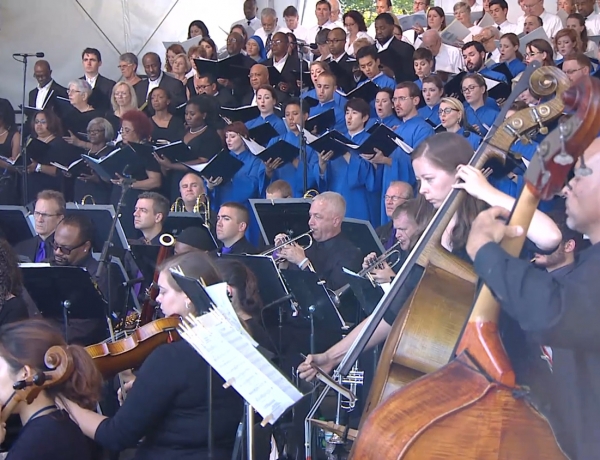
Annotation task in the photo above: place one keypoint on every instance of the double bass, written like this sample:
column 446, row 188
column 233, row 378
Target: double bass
column 470, row 408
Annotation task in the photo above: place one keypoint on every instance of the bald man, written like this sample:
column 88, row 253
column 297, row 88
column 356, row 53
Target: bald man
column 47, row 90
column 446, row 58
column 335, row 16
column 259, row 75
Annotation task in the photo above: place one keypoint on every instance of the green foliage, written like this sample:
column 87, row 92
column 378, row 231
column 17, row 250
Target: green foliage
column 367, row 8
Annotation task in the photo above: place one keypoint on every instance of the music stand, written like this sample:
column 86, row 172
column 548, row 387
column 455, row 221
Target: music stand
column 15, row 224
column 362, row 235
column 288, row 215
column 367, row 295
column 145, row 256
column 195, row 291
column 102, row 216
column 64, row 292
column 176, row 222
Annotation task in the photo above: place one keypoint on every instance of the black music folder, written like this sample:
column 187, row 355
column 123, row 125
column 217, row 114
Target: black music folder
column 175, row 152
column 437, row 128
column 228, row 68
column 116, row 162
column 343, row 75
column 289, row 216
column 15, row 224
column 497, row 89
column 37, row 151
column 194, row 290
column 367, row 91
column 311, row 102
column 322, row 121
column 362, row 235
column 243, row 114
column 221, row 165
column 280, row 149
column 145, row 257
column 453, row 87
column 504, row 70
column 333, row 141
column 75, row 169
column 306, row 80
column 262, row 134
column 176, row 222
column 275, row 76
column 381, row 138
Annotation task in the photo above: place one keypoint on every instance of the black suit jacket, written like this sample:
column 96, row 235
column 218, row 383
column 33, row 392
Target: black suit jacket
column 170, row 84
column 242, row 246
column 28, row 248
column 100, row 99
column 401, row 62
column 290, row 71
column 345, row 78
column 50, row 101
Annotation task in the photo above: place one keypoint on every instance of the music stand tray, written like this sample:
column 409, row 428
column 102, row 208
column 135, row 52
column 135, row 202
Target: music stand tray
column 176, row 222
column 363, row 236
column 289, row 215
column 16, row 224
column 101, row 216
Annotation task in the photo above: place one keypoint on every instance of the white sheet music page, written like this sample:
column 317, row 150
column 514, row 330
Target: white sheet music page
column 241, row 365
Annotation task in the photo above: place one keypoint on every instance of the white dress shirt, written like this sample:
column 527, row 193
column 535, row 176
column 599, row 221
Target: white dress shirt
column 154, row 84
column 592, row 24
column 508, row 27
column 92, row 81
column 251, row 25
column 313, row 31
column 495, row 55
column 361, row 34
column 41, row 95
column 263, row 35
column 381, row 47
column 300, row 32
column 279, row 64
column 552, row 23
column 476, row 8
column 449, row 59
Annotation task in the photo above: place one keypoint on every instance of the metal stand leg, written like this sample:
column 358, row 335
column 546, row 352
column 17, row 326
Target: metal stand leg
column 249, row 431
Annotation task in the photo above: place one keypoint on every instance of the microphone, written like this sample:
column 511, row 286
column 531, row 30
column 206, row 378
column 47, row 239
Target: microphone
column 39, row 54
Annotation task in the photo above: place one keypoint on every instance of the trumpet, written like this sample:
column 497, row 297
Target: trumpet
column 200, row 207
column 287, row 241
column 178, row 205
column 86, row 198
column 310, row 193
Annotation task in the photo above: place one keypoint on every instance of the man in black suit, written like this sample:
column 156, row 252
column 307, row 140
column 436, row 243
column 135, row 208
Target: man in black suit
column 395, row 54
column 101, row 86
column 238, row 86
column 232, row 222
column 288, row 66
column 344, row 64
column 157, row 78
column 259, row 75
column 49, row 211
column 207, row 84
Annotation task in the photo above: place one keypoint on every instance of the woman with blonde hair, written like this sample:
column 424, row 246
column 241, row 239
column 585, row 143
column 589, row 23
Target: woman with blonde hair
column 453, row 118
column 123, row 98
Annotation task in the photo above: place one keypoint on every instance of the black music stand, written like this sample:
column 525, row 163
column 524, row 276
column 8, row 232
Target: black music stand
column 367, row 295
column 288, row 215
column 145, row 256
column 195, row 291
column 102, row 216
column 15, row 224
column 176, row 222
column 362, row 235
column 64, row 293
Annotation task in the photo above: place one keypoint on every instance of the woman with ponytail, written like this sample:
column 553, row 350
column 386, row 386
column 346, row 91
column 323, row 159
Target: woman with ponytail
column 47, row 433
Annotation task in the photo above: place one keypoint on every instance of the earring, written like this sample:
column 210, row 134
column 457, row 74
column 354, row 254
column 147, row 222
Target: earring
column 187, row 305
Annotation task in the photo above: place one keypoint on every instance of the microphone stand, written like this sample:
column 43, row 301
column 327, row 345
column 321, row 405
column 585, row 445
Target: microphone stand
column 301, row 128
column 22, row 137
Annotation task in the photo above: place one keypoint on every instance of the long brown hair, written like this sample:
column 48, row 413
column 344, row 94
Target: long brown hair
column 240, row 277
column 25, row 343
column 446, row 151
column 11, row 279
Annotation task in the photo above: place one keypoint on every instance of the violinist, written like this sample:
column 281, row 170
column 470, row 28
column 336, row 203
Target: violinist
column 439, row 163
column 47, row 433
column 561, row 310
column 167, row 402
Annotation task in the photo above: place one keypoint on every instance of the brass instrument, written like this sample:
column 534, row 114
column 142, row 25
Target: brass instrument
column 166, row 239
column 201, row 207
column 287, row 241
column 310, row 193
column 88, row 197
column 178, row 205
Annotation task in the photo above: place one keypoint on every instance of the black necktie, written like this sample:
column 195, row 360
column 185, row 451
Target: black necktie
column 248, row 22
column 268, row 43
column 320, row 28
column 433, row 65
column 499, row 28
column 489, row 55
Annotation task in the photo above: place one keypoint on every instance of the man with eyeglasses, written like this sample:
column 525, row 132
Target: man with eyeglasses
column 207, row 84
column 157, row 78
column 49, row 211
column 397, row 193
column 336, row 39
column 237, row 85
column 577, row 66
column 552, row 23
column 288, row 66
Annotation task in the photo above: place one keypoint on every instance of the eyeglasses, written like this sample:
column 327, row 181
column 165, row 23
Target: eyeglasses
column 73, row 91
column 64, row 250
column 40, row 122
column 121, row 94
column 447, row 110
column 394, row 198
column 123, row 66
column 43, row 215
column 572, row 71
column 334, row 40
column 95, row 131
column 528, row 7
column 533, row 53
column 401, row 98
column 470, row 88
column 278, row 42
column 231, row 41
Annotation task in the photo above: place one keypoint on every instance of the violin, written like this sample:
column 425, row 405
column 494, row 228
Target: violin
column 113, row 357
column 472, row 408
column 60, row 364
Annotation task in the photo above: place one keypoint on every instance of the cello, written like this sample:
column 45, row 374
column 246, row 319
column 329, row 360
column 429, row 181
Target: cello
column 470, row 408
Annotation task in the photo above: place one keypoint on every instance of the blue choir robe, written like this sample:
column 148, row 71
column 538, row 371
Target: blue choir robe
column 515, row 66
column 248, row 182
column 431, row 113
column 383, row 81
column 490, row 73
column 391, row 121
column 353, row 180
column 295, row 175
column 525, row 150
column 272, row 119
column 414, row 131
column 339, row 99
column 419, row 82
column 340, row 118
column 473, row 138
column 483, row 117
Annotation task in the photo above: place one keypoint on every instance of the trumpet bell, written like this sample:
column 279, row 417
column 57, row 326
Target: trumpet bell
column 86, row 198
column 166, row 239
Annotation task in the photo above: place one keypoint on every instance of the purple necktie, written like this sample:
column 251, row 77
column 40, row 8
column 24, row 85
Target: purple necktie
column 40, row 255
column 225, row 250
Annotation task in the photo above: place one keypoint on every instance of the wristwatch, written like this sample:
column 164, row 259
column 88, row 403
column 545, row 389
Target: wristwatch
column 38, row 168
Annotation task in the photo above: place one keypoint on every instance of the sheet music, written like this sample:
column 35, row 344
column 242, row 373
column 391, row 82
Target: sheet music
column 253, row 146
column 240, row 364
column 455, row 33
column 486, row 21
column 63, row 167
column 537, row 33
column 491, row 83
column 310, row 137
column 409, row 21
column 403, row 145
column 186, row 44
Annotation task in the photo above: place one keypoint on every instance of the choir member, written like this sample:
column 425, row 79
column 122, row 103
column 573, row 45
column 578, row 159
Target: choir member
column 337, row 53
column 384, row 107
column 285, row 64
column 49, row 210
column 167, row 402
column 350, row 175
column 255, row 49
column 474, row 55
column 46, row 128
column 250, row 22
column 128, row 65
column 510, row 55
column 531, row 23
column 577, row 22
column 207, row 84
column 149, row 215
column 568, row 6
column 100, row 132
column 198, row 29
column 499, row 12
column 423, row 63
column 201, row 136
column 47, row 90
column 156, row 77
column 259, row 76
column 567, row 42
column 81, row 113
column 452, row 115
column 438, row 163
column 316, row 69
column 446, row 58
column 10, row 138
column 209, row 48
column 369, row 64
column 166, row 127
column 266, row 99
column 384, row 36
column 397, row 193
column 233, row 221
column 462, row 13
column 123, row 99
column 47, row 432
column 577, row 66
column 326, row 89
column 539, row 50
column 102, row 86
column 13, row 306
column 354, row 22
column 181, row 68
column 172, row 51
column 292, row 173
column 479, row 114
column 432, row 91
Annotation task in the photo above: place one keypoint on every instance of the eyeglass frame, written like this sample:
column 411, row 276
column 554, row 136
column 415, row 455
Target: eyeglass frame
column 66, row 251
